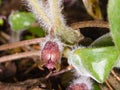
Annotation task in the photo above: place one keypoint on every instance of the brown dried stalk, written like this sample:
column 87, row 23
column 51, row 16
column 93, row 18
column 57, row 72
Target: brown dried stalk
column 30, row 84
column 19, row 55
column 21, row 43
column 95, row 23
column 62, row 71
column 114, row 74
column 108, row 84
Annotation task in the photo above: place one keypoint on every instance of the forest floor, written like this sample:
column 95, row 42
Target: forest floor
column 23, row 74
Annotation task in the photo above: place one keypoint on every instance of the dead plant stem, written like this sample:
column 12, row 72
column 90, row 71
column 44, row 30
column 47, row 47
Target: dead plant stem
column 108, row 84
column 95, row 23
column 21, row 43
column 19, row 55
column 114, row 74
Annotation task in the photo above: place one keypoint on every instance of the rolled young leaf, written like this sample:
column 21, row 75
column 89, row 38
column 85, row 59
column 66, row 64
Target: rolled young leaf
column 93, row 8
column 38, row 9
column 94, row 62
column 103, row 41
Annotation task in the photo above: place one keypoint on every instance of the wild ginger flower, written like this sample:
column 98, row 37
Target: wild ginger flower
column 51, row 54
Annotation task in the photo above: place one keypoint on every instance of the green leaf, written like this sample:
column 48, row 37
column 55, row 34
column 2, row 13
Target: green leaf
column 68, row 35
column 28, row 37
column 118, row 63
column 105, row 40
column 21, row 20
column 1, row 21
column 114, row 20
column 37, row 31
column 96, row 86
column 94, row 62
column 0, row 2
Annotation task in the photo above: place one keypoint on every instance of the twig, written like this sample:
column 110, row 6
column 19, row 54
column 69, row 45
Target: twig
column 109, row 86
column 19, row 55
column 118, row 78
column 30, row 84
column 58, row 73
column 38, row 9
column 56, row 12
column 4, row 35
column 21, row 43
column 84, row 24
column 62, row 71
column 30, row 68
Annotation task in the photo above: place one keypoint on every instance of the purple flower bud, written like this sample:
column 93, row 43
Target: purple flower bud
column 50, row 54
column 81, row 86
column 81, row 83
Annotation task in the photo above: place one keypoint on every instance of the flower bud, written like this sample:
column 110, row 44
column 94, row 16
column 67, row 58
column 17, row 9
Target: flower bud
column 81, row 83
column 81, row 86
column 50, row 54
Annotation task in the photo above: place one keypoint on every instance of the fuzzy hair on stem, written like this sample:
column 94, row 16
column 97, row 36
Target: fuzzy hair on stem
column 53, row 19
column 47, row 38
column 73, row 36
column 55, row 8
column 37, row 7
column 61, row 29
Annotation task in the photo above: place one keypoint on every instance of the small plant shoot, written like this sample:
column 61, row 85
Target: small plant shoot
column 21, row 20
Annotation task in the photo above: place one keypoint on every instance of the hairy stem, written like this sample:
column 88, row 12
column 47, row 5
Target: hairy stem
column 56, row 12
column 39, row 11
